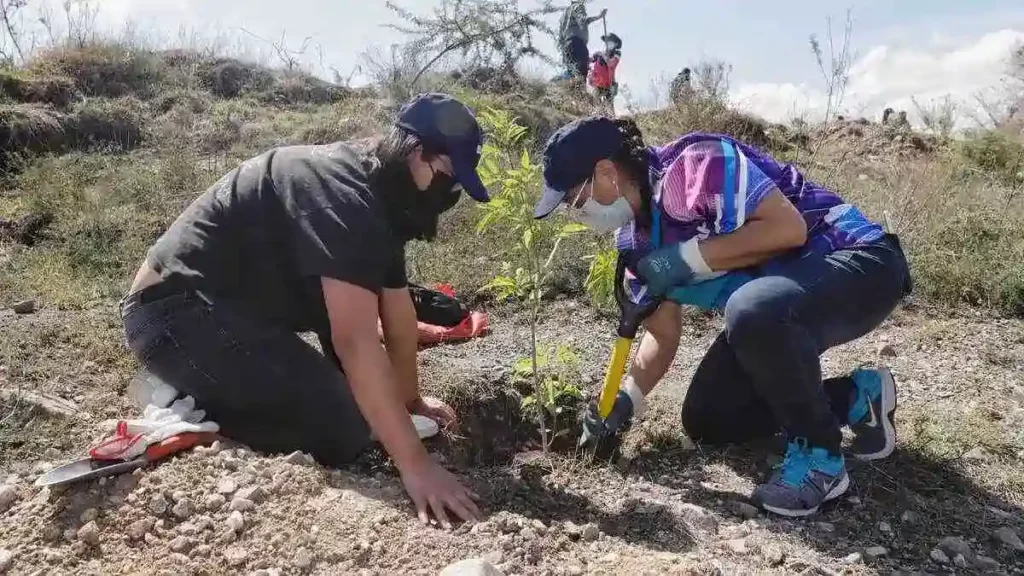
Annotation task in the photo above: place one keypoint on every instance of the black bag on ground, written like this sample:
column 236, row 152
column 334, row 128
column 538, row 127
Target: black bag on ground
column 436, row 308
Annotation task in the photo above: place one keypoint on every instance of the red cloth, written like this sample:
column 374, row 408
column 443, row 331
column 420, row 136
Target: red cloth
column 475, row 324
column 602, row 74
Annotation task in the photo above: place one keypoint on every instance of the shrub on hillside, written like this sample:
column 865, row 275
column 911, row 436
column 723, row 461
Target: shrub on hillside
column 27, row 129
column 302, row 89
column 103, row 69
column 190, row 100
column 108, row 124
column 57, row 91
column 698, row 115
column 995, row 154
column 230, row 78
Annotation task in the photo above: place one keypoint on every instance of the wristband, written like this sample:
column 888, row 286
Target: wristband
column 689, row 251
column 636, row 395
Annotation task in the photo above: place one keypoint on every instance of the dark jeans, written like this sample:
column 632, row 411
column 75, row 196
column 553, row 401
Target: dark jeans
column 265, row 387
column 576, row 56
column 763, row 373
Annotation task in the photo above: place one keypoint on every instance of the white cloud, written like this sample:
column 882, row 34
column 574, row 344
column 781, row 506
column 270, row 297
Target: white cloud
column 889, row 77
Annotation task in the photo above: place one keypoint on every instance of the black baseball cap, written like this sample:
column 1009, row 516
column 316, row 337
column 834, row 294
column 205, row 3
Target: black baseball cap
column 442, row 122
column 570, row 156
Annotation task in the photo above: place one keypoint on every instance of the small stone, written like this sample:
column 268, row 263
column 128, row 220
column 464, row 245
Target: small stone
column 255, row 493
column 236, row 522
column 737, row 546
column 299, row 458
column 6, row 560
column 183, row 509
column 1008, row 537
column 138, row 529
column 226, row 486
column 743, row 510
column 90, row 534
column 24, row 307
column 875, row 552
column 203, row 550
column 826, row 526
column 987, row 565
column 589, row 533
column 483, row 528
column 70, row 534
column 571, row 529
column 302, row 558
column 236, row 556
column 886, row 350
column 158, row 504
column 976, row 454
column 610, row 558
column 960, row 561
column 215, row 502
column 528, row 534
column 539, row 527
column 241, row 505
column 8, row 496
column 699, row 517
column 180, row 544
column 774, row 555
column 855, row 558
column 89, row 515
column 471, row 567
column 150, row 538
column 909, row 517
column 955, row 546
column 939, row 556
column 884, row 528
column 159, row 524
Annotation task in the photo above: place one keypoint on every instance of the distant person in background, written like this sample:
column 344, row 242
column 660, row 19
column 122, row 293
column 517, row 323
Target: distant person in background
column 602, row 73
column 682, row 87
column 887, row 116
column 573, row 38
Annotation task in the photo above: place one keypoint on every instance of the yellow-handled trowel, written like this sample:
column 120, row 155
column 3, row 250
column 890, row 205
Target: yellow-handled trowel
column 631, row 315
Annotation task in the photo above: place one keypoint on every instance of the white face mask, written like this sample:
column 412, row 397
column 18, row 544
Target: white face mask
column 601, row 218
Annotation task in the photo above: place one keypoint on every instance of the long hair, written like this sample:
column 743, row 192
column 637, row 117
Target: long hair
column 634, row 157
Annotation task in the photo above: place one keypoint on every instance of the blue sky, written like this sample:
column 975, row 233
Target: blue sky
column 905, row 47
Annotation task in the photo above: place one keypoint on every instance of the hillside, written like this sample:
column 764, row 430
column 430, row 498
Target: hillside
column 102, row 148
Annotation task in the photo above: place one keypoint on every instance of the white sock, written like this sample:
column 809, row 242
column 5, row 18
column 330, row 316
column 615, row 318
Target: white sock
column 636, row 395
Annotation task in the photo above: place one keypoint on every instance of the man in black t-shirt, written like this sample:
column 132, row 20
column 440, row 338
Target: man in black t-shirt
column 311, row 238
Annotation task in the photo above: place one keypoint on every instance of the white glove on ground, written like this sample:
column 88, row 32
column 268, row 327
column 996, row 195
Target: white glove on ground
column 132, row 437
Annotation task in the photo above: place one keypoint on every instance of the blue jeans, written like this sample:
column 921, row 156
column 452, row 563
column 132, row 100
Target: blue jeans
column 762, row 374
column 262, row 383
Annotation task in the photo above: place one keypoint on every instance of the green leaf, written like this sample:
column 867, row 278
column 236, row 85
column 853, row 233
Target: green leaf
column 571, row 229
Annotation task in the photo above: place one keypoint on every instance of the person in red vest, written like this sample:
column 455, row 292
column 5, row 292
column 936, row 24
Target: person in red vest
column 602, row 71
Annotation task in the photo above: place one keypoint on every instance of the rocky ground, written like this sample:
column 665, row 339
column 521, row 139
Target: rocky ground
column 948, row 501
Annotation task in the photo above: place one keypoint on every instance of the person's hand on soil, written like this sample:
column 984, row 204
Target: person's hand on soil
column 435, row 491
column 434, row 409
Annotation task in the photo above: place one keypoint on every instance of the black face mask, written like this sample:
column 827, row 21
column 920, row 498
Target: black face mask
column 414, row 213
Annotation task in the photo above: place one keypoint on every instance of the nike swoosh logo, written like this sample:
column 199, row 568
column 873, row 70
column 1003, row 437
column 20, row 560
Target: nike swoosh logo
column 872, row 418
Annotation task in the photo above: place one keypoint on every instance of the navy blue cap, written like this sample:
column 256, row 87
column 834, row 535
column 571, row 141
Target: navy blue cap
column 444, row 123
column 570, row 156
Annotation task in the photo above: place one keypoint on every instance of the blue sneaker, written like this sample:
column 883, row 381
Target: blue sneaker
column 871, row 414
column 808, row 478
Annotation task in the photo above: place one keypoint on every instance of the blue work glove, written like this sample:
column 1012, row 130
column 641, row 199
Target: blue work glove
column 710, row 294
column 668, row 266
column 617, row 420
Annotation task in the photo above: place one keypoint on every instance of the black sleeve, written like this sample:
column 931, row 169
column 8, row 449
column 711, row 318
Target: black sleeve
column 396, row 276
column 353, row 248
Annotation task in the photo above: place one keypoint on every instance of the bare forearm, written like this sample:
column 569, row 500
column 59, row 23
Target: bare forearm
column 403, row 358
column 400, row 337
column 657, row 348
column 753, row 243
column 376, row 391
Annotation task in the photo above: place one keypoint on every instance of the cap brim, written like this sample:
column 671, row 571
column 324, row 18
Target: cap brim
column 548, row 202
column 465, row 174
